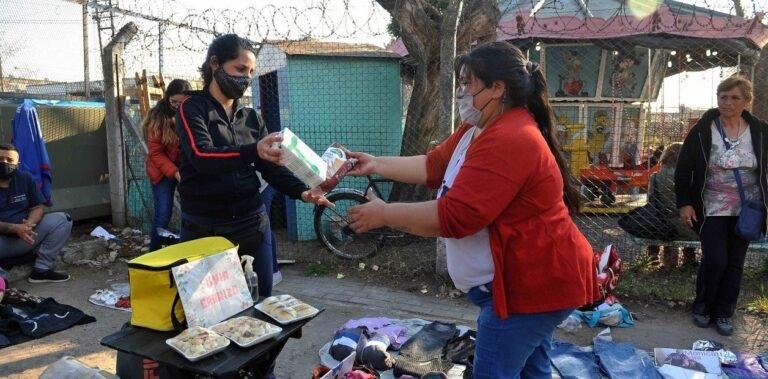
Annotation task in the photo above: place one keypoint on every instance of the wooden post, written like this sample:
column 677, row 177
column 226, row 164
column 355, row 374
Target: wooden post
column 112, row 60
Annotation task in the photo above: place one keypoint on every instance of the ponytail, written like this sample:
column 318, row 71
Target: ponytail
column 539, row 106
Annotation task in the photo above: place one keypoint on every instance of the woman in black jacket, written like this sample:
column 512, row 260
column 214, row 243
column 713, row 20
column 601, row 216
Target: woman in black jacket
column 708, row 196
column 223, row 144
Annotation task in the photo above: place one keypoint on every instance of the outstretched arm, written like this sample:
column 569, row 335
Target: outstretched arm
column 412, row 170
column 420, row 219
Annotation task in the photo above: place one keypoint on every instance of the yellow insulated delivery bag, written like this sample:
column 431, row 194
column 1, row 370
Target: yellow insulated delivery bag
column 154, row 296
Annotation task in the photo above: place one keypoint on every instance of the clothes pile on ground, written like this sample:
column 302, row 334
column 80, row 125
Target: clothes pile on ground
column 605, row 358
column 412, row 348
column 25, row 317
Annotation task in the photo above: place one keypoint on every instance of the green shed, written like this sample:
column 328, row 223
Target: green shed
column 328, row 92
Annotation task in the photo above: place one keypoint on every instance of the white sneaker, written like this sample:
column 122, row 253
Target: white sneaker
column 277, row 278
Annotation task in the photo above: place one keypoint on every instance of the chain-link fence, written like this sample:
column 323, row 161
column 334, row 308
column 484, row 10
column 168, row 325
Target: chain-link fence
column 626, row 82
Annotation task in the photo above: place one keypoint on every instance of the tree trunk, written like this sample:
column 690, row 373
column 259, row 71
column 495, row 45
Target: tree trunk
column 420, row 128
column 420, row 29
column 447, row 68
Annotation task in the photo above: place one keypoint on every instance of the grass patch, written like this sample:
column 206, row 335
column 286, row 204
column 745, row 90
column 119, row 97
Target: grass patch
column 644, row 280
column 758, row 305
column 318, row 269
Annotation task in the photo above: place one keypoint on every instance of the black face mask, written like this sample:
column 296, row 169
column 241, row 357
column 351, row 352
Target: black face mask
column 7, row 170
column 233, row 87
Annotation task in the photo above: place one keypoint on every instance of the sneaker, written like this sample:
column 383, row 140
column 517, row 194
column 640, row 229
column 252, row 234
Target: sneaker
column 724, row 326
column 277, row 278
column 48, row 276
column 702, row 321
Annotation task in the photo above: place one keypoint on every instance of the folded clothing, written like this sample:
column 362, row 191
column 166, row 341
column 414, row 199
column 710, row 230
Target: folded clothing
column 375, row 353
column 423, row 353
column 347, row 341
column 395, row 332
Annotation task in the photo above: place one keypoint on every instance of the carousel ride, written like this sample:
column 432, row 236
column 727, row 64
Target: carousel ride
column 605, row 61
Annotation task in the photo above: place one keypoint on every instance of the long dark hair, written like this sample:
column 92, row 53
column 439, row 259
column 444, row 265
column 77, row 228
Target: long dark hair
column 527, row 87
column 159, row 120
column 225, row 48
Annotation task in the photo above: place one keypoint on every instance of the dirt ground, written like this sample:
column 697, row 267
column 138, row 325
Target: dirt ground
column 403, row 271
column 655, row 326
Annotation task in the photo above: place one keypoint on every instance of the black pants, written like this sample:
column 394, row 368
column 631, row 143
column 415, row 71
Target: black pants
column 718, row 281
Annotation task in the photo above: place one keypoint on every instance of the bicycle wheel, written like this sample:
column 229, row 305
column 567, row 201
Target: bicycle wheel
column 332, row 231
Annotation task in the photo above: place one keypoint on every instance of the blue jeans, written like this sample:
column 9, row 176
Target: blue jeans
column 519, row 345
column 248, row 232
column 162, row 192
column 574, row 362
column 624, row 361
column 266, row 197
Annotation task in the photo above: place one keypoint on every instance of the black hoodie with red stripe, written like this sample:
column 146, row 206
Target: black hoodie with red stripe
column 219, row 160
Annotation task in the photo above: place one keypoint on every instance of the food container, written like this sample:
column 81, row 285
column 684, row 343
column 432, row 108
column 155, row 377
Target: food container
column 275, row 307
column 325, row 171
column 197, row 343
column 246, row 331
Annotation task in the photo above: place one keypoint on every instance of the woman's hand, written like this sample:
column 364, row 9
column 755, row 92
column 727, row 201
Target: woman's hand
column 688, row 215
column 267, row 152
column 365, row 164
column 316, row 196
column 370, row 215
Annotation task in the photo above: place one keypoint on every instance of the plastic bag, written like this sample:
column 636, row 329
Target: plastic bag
column 70, row 368
column 570, row 324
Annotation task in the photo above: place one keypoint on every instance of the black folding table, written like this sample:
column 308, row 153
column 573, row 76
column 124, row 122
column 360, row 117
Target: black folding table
column 150, row 344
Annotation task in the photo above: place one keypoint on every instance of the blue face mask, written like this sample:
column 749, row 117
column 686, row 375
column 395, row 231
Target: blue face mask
column 466, row 104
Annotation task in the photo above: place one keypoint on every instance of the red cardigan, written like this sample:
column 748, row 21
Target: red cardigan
column 161, row 159
column 510, row 183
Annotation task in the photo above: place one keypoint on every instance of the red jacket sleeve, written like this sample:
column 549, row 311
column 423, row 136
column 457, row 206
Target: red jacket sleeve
column 438, row 158
column 159, row 157
column 497, row 166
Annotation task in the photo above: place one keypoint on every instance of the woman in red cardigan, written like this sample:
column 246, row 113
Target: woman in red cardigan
column 163, row 157
column 504, row 204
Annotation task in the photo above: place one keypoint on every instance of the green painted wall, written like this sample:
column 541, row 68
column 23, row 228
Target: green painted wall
column 352, row 101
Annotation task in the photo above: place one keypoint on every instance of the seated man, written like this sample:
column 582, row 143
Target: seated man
column 22, row 224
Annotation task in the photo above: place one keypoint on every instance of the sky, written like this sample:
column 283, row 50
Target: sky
column 45, row 37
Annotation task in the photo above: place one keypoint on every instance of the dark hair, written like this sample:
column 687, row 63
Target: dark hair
column 671, row 154
column 225, row 48
column 525, row 86
column 8, row 147
column 159, row 120
column 176, row 87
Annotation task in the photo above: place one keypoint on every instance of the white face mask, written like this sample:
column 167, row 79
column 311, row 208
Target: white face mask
column 466, row 104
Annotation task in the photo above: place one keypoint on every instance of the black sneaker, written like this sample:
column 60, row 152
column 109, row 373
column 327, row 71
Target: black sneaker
column 724, row 326
column 49, row 276
column 702, row 321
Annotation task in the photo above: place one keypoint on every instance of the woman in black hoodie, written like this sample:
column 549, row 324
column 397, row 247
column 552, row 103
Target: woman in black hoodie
column 223, row 144
column 708, row 196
